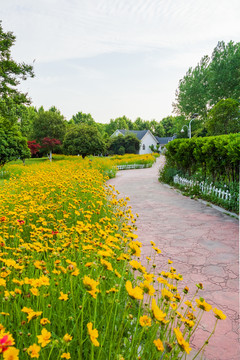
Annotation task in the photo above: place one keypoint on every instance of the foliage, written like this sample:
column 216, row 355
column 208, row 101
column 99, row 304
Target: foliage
column 82, row 118
column 217, row 156
column 11, row 73
column 49, row 124
column 120, row 144
column 12, row 145
column 224, row 118
column 83, row 140
column 73, row 285
column 34, row 147
column 210, row 81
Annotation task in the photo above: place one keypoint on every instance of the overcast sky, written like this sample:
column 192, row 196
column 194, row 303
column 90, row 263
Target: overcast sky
column 114, row 57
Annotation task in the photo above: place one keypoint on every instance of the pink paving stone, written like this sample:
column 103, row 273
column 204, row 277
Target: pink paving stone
column 185, row 229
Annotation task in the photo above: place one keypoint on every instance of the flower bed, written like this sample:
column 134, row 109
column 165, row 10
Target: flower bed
column 72, row 285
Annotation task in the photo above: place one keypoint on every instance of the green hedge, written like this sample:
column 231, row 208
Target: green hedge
column 217, row 156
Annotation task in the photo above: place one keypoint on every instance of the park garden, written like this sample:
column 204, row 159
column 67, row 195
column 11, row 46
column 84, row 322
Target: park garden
column 71, row 282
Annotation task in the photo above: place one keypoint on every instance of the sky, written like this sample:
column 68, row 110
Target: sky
column 112, row 58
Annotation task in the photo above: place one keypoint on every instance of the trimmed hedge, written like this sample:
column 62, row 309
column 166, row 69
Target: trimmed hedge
column 217, row 156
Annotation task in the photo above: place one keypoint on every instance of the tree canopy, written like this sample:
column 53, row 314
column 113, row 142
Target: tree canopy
column 48, row 124
column 83, row 140
column 11, row 73
column 224, row 118
column 212, row 80
column 120, row 144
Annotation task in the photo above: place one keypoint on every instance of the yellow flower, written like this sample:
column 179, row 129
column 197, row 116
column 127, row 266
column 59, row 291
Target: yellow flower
column 66, row 356
column 201, row 304
column 158, row 313
column 147, row 288
column 184, row 345
column 135, row 293
column 219, row 314
column 159, row 345
column 33, row 351
column 93, row 333
column 11, row 354
column 67, row 338
column 44, row 321
column 34, row 291
column 91, row 286
column 145, row 321
column 167, row 295
column 43, row 339
column 106, row 264
column 63, row 296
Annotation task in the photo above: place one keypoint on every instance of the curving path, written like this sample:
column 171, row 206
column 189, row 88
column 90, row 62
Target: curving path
column 203, row 245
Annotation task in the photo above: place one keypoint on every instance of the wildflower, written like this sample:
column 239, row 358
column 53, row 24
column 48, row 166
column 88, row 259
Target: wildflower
column 201, row 304
column 11, row 354
column 66, row 356
column 91, row 286
column 63, row 296
column 44, row 321
column 106, row 264
column 117, row 273
column 219, row 314
column 93, row 333
column 33, row 351
column 189, row 304
column 159, row 345
column 147, row 288
column 67, row 338
column 34, row 291
column 43, row 339
column 158, row 313
column 167, row 295
column 184, row 345
column 157, row 250
column 6, row 340
column 145, row 321
column 135, row 293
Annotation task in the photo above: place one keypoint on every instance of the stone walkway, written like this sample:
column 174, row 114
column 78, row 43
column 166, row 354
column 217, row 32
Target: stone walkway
column 203, row 245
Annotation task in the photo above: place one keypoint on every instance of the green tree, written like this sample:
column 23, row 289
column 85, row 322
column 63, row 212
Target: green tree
column 11, row 73
column 50, row 124
column 83, row 140
column 129, row 143
column 118, row 123
column 12, row 145
column 224, row 118
column 82, row 118
column 210, row 81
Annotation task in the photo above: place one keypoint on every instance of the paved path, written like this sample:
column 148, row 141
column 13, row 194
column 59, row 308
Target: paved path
column 203, row 245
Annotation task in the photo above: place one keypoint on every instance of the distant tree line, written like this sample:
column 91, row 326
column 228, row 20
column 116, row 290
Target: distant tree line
column 212, row 90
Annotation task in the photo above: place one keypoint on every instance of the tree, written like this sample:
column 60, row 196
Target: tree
column 210, row 81
column 49, row 145
column 34, row 147
column 12, row 145
column 81, row 118
column 11, row 73
column 49, row 124
column 83, row 140
column 120, row 144
column 224, row 118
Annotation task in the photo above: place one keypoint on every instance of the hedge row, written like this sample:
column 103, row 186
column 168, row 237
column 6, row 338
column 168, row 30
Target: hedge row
column 217, row 156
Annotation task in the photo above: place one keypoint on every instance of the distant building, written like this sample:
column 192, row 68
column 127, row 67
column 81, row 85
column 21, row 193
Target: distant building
column 162, row 141
column 145, row 136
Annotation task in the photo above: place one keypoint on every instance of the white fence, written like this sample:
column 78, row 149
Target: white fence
column 205, row 188
column 133, row 166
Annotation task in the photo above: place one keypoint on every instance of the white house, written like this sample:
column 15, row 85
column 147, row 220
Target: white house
column 145, row 136
column 164, row 141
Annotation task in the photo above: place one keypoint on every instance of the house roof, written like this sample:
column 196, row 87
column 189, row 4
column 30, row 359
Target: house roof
column 139, row 133
column 164, row 140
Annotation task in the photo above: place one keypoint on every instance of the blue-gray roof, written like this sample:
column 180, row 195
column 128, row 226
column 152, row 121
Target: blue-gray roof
column 164, row 140
column 139, row 133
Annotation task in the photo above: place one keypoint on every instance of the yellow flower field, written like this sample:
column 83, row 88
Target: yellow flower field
column 71, row 282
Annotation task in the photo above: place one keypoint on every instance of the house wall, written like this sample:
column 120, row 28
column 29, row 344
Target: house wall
column 147, row 140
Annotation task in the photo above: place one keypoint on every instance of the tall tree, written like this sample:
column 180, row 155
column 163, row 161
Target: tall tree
column 81, row 118
column 50, row 124
column 210, row 81
column 11, row 73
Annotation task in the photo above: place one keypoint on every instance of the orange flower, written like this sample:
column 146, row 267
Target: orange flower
column 93, row 333
column 43, row 339
column 33, row 351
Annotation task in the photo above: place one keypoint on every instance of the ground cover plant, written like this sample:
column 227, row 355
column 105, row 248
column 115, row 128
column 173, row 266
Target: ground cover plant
column 71, row 281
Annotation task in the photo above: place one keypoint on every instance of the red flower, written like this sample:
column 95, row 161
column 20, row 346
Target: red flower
column 5, row 342
column 21, row 222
